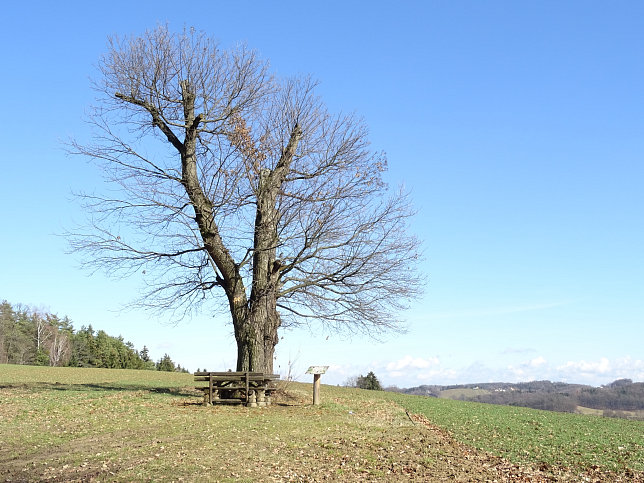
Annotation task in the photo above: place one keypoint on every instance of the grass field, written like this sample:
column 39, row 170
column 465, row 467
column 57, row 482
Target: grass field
column 66, row 424
column 462, row 393
column 527, row 436
column 635, row 415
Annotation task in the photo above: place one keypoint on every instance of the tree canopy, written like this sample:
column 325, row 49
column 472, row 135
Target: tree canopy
column 239, row 187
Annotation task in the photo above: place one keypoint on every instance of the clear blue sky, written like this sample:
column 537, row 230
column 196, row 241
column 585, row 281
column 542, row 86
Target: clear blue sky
column 518, row 126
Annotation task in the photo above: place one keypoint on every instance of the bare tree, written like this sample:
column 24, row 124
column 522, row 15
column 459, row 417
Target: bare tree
column 230, row 180
column 41, row 334
column 59, row 346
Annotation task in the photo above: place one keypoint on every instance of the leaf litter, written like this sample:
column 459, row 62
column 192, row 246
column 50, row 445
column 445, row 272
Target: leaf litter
column 138, row 434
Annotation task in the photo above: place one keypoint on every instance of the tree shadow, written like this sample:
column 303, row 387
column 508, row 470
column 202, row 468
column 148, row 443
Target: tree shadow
column 186, row 392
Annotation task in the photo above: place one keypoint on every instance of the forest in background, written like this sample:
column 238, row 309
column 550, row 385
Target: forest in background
column 34, row 337
column 622, row 398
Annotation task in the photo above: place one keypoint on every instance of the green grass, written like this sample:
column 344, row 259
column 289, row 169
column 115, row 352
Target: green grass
column 121, row 425
column 462, row 393
column 12, row 374
column 528, row 436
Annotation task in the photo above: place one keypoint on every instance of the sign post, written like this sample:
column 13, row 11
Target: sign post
column 317, row 371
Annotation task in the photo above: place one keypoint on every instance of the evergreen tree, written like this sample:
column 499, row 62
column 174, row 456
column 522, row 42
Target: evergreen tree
column 165, row 364
column 32, row 337
column 370, row 381
column 145, row 354
column 42, row 358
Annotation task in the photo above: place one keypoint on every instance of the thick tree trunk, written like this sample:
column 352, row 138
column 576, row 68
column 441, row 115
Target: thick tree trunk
column 250, row 349
column 257, row 337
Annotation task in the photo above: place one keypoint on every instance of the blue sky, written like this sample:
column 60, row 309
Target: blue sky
column 517, row 126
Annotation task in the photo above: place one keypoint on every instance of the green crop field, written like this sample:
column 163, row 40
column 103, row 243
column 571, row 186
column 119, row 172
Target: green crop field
column 462, row 393
column 527, row 436
column 67, row 424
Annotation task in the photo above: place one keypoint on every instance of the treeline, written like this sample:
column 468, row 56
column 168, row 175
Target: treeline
column 32, row 337
column 621, row 398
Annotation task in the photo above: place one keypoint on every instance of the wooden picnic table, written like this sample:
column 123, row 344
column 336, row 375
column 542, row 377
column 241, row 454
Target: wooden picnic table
column 250, row 388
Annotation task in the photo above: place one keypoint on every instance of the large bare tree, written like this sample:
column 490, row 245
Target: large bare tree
column 231, row 182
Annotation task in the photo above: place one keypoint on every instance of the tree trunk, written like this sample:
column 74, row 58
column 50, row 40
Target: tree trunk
column 257, row 337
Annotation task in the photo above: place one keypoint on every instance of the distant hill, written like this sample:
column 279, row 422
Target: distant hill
column 621, row 398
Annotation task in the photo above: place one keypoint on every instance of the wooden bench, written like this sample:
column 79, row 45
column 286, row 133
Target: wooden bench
column 250, row 388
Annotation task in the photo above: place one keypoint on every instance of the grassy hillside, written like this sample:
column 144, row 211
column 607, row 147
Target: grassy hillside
column 463, row 393
column 68, row 424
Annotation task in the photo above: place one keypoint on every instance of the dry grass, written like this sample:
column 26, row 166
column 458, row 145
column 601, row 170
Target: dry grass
column 92, row 425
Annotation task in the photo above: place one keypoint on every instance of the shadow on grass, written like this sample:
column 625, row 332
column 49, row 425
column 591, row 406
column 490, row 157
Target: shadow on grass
column 108, row 387
column 190, row 395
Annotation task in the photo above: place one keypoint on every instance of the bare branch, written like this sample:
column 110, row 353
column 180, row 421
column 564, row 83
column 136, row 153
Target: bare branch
column 227, row 178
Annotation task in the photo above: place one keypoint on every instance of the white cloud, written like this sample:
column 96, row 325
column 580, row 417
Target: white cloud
column 409, row 362
column 602, row 371
column 533, row 369
column 594, row 372
column 396, row 374
column 410, row 371
column 343, row 371
column 440, row 374
column 602, row 366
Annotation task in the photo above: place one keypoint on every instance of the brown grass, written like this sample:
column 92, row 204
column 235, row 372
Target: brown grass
column 87, row 425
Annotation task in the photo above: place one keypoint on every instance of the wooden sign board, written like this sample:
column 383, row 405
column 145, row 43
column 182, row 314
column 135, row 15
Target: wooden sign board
column 317, row 369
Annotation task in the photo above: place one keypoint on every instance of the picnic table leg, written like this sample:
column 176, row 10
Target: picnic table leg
column 252, row 400
column 210, row 388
